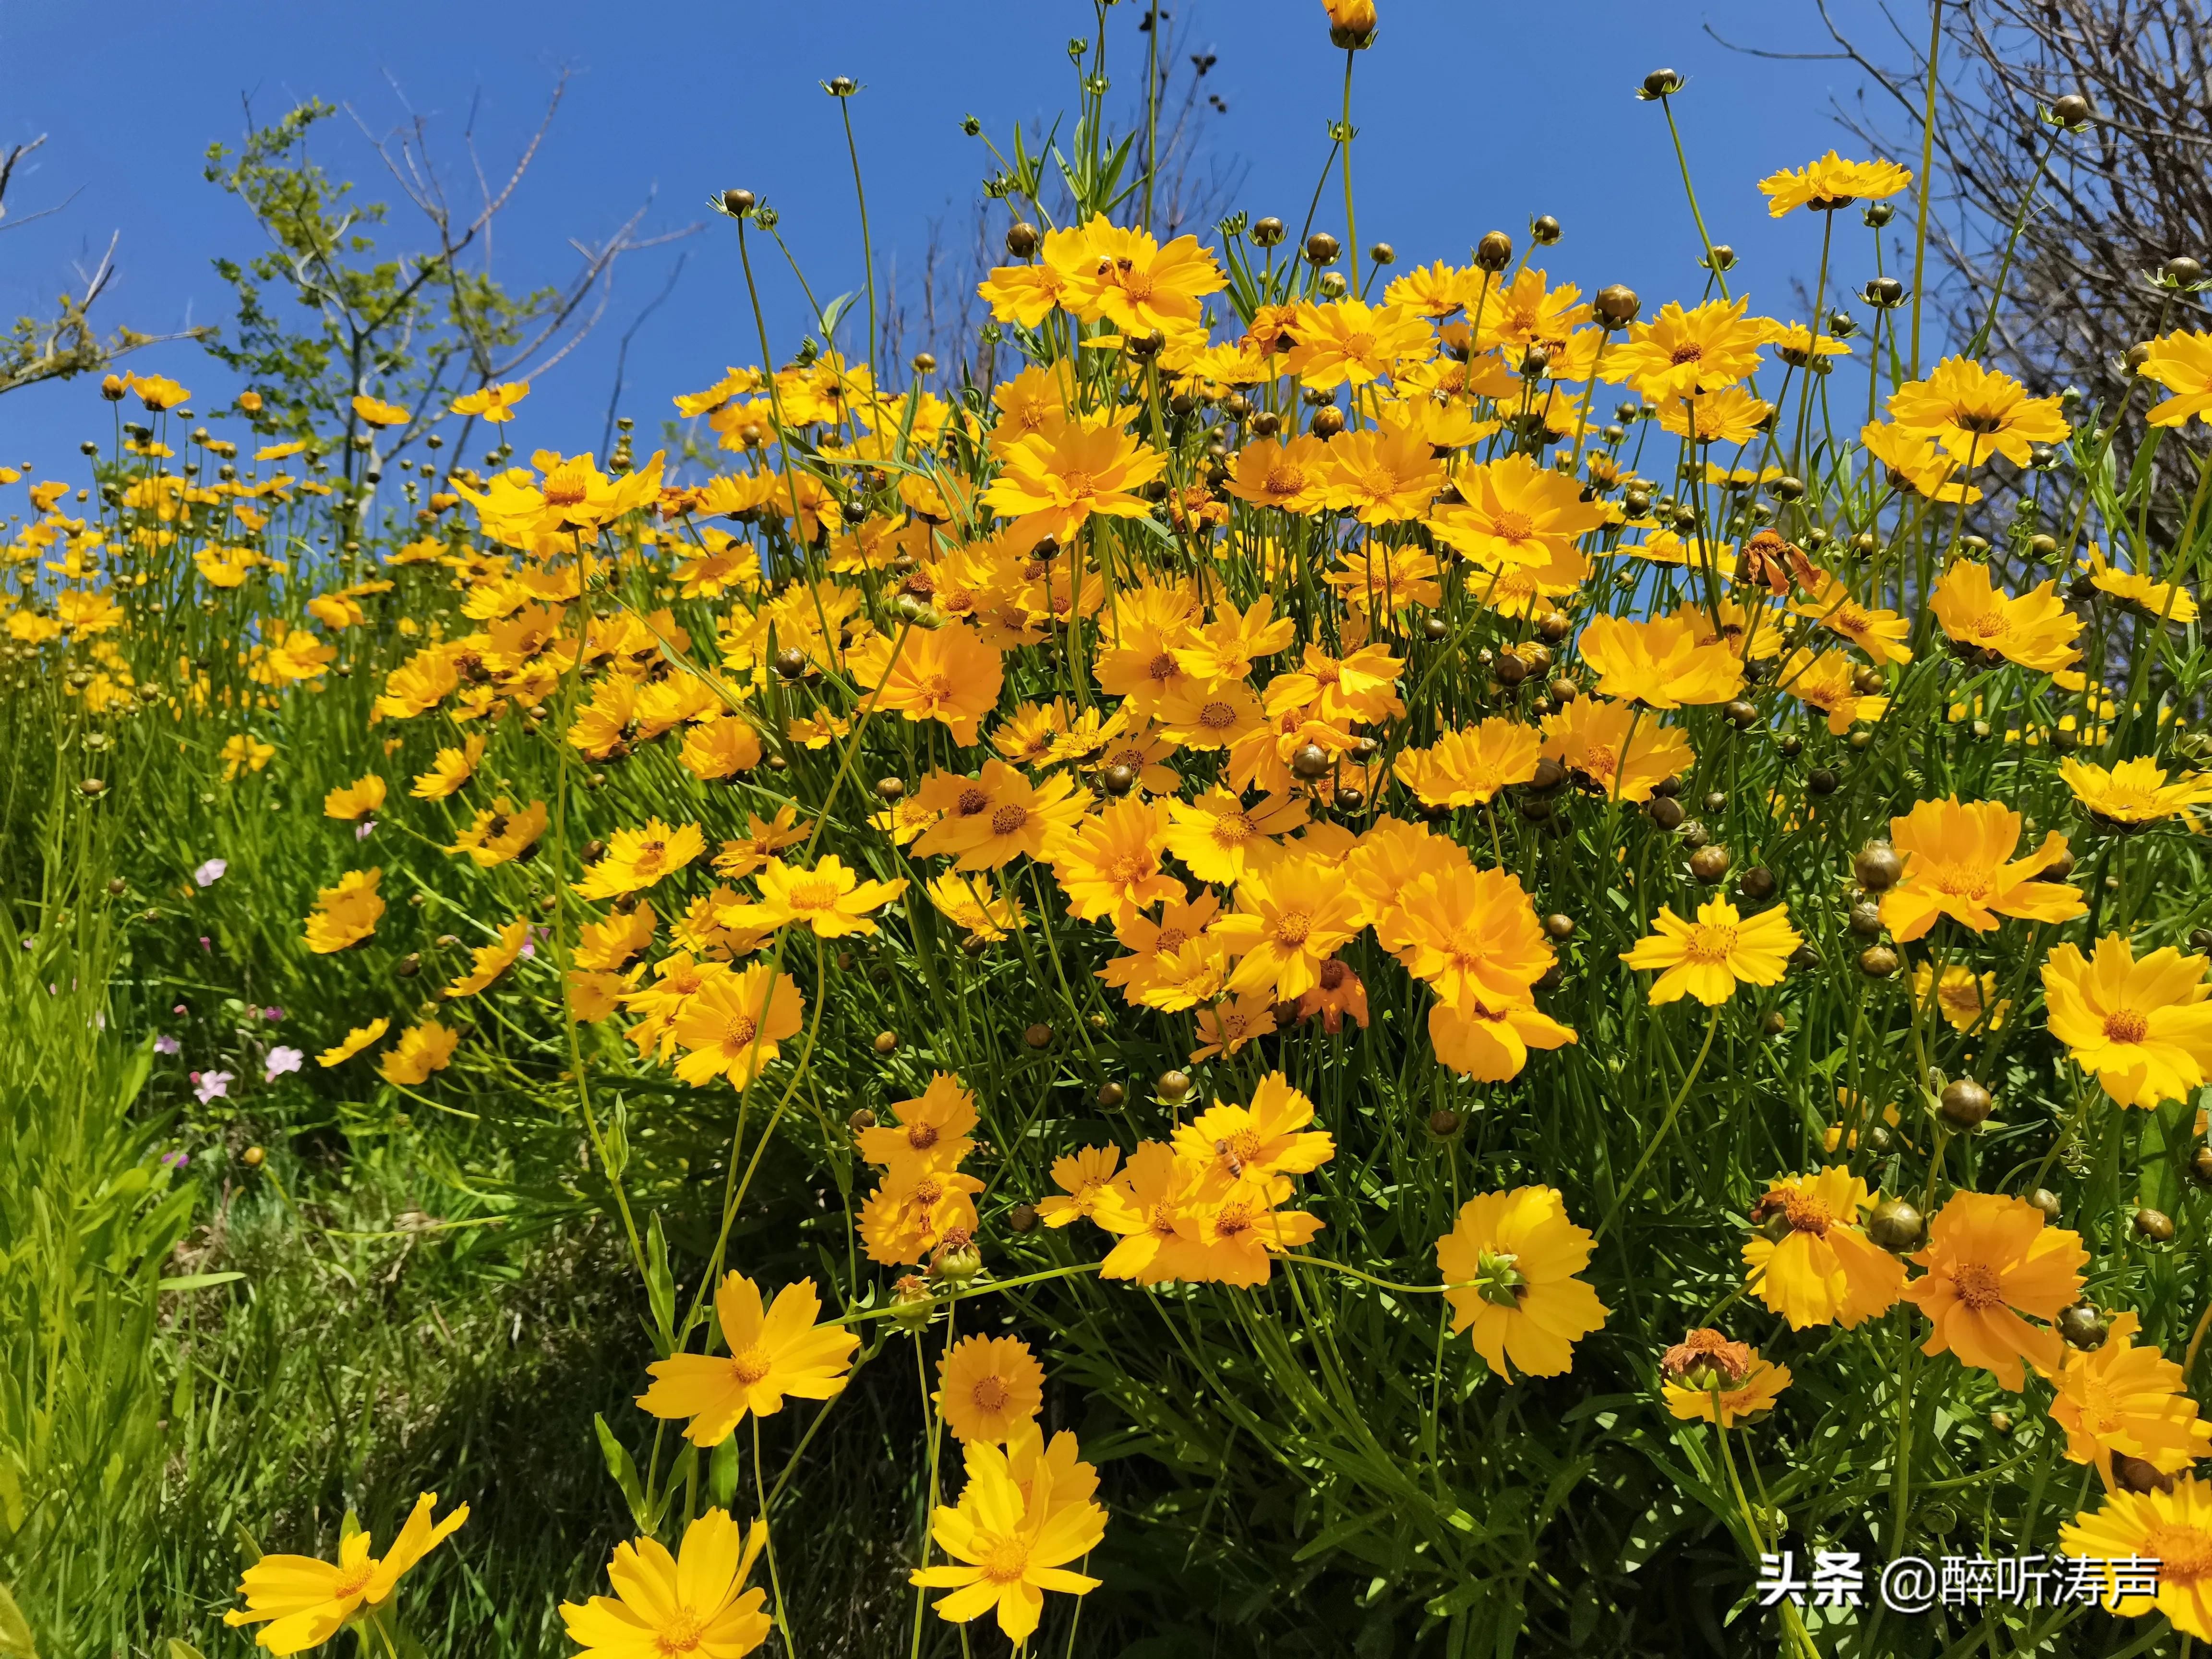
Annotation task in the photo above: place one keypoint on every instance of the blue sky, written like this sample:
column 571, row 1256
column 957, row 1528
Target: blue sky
column 1471, row 116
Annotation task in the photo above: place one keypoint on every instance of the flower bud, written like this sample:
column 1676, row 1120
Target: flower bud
column 1322, row 249
column 1896, row 1226
column 1494, row 252
column 1966, row 1104
column 1021, row 239
column 1617, row 305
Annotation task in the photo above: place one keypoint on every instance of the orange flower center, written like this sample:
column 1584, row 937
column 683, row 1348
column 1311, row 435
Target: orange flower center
column 1361, row 344
column 1285, row 481
column 565, row 488
column 742, row 1028
column 1600, row 760
column 990, row 1394
column 1333, row 973
column 1009, row 819
column 1291, row 926
column 1709, row 946
column 1976, row 1283
column 1231, row 829
column 1513, row 526
column 1964, row 881
column 1170, row 939
column 1218, row 716
column 935, row 687
column 1078, row 486
column 1162, row 667
column 1807, row 1214
column 921, row 1136
column 1130, row 868
column 2184, row 1552
column 354, row 1582
column 1008, row 1560
column 681, row 1634
column 1688, row 352
column 1234, row 1221
column 2126, row 1025
column 816, row 893
column 971, row 802
column 749, row 1365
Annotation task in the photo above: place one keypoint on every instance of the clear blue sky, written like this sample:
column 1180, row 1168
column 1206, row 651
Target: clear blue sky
column 1471, row 116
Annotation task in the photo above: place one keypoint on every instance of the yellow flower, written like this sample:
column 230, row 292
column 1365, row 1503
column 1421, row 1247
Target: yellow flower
column 1290, row 918
column 245, row 753
column 2143, row 1028
column 1832, row 183
column 1228, row 1025
column 1053, row 483
column 1965, row 996
column 2166, row 602
column 1513, row 513
column 490, row 961
column 355, row 800
column 494, row 403
column 638, row 858
column 907, row 1220
column 1959, row 863
column 1123, row 276
column 355, row 1040
column 1744, row 1399
column 1292, row 473
column 1085, row 1180
column 1682, row 354
column 374, row 411
column 499, row 834
column 301, row 1602
column 1268, row 1138
column 1915, row 461
column 989, row 1388
column 1880, row 634
column 2133, row 793
column 2119, row 1399
column 1386, row 476
column 829, row 899
column 1822, row 1268
column 946, row 674
column 1491, row 1044
column 779, row 1352
column 1709, row 957
column 1990, row 1259
column 931, row 1133
column 999, row 817
column 1661, row 663
column 1218, row 836
column 1827, row 681
column 347, row 914
column 1110, row 866
column 1468, row 767
column 1510, row 1263
column 691, row 1603
column 421, row 1050
column 2182, row 363
column 1729, row 415
column 1472, row 934
column 452, row 769
column 731, row 1024
column 2173, row 1529
column 1008, row 1551
column 1618, row 751
column 1975, row 413
column 1353, row 342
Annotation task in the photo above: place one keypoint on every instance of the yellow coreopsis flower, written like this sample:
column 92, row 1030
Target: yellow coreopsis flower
column 1661, row 663
column 1963, row 997
column 494, row 403
column 1706, row 1378
column 1681, row 353
column 1008, row 1551
column 361, row 1037
column 355, row 800
column 2143, row 1027
column 421, row 1050
column 301, row 1603
column 2119, row 1399
column 695, row 1602
column 1508, row 1265
column 1959, row 863
column 243, row 752
column 488, row 962
column 1053, row 483
column 989, row 1388
column 2182, row 363
column 2166, row 602
column 775, row 1353
column 1290, row 918
column 1832, row 183
column 1976, row 413
column 1709, row 957
column 637, row 859
column 1468, row 767
column 2172, row 1528
column 374, row 411
column 1813, row 1263
column 946, row 674
column 1991, row 1260
column 346, row 913
column 2134, row 794
column 733, row 1024
column 830, row 900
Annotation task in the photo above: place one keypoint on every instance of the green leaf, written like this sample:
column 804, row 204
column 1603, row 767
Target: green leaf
column 722, row 1472
column 624, row 1470
column 199, row 1281
column 660, row 1284
column 180, row 1649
